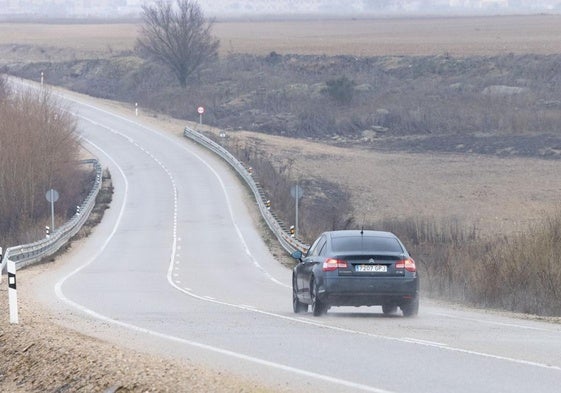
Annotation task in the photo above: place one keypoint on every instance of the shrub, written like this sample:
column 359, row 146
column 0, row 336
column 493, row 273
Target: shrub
column 521, row 273
column 341, row 90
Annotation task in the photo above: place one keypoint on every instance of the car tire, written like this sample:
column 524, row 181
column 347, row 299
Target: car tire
column 318, row 307
column 297, row 305
column 411, row 309
column 389, row 308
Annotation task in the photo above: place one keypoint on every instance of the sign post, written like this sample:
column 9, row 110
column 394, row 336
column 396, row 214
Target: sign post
column 52, row 196
column 297, row 192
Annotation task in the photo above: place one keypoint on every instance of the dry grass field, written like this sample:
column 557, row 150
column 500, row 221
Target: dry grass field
column 496, row 195
column 457, row 36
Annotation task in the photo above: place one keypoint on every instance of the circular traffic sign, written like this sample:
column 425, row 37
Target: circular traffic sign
column 296, row 191
column 201, row 110
column 52, row 195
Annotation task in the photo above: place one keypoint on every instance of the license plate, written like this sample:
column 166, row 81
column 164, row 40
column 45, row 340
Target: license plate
column 371, row 268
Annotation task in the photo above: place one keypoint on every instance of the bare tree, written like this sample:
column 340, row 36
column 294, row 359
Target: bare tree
column 177, row 35
column 39, row 147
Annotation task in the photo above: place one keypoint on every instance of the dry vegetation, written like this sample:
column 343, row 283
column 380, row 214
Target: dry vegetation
column 38, row 151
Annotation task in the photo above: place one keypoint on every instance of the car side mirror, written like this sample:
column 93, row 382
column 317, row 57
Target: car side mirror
column 297, row 255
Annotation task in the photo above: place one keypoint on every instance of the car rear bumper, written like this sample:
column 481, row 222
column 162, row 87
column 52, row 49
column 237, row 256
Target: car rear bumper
column 365, row 291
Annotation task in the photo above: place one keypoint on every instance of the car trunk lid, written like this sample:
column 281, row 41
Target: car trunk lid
column 372, row 265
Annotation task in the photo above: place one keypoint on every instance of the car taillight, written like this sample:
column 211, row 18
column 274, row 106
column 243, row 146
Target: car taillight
column 334, row 264
column 407, row 264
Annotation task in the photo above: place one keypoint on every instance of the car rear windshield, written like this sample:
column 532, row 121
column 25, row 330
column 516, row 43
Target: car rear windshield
column 366, row 243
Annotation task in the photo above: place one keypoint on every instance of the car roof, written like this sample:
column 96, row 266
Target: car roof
column 358, row 232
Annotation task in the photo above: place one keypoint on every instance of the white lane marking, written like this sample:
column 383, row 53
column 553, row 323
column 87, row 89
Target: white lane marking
column 372, row 335
column 60, row 294
column 424, row 342
column 512, row 325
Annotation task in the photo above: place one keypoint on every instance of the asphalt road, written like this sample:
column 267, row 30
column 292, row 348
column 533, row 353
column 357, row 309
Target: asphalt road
column 178, row 264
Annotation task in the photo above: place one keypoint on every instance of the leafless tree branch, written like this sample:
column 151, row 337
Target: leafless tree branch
column 178, row 36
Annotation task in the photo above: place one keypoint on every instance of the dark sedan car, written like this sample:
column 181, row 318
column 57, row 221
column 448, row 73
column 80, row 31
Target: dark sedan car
column 356, row 268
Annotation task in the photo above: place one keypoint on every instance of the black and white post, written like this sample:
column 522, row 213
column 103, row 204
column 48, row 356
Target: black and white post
column 12, row 292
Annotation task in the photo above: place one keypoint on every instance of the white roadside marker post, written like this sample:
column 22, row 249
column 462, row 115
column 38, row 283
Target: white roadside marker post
column 12, row 293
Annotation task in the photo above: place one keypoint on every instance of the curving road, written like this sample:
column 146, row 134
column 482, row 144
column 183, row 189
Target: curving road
column 178, row 263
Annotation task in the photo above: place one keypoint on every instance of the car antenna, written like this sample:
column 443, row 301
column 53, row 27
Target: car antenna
column 362, row 230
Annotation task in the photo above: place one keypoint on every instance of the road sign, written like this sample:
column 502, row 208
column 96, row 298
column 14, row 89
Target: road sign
column 201, row 110
column 52, row 195
column 296, row 191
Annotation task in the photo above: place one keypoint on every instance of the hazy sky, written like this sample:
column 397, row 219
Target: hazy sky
column 272, row 7
column 377, row 6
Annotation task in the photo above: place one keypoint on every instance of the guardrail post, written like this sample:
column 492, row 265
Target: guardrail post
column 12, row 292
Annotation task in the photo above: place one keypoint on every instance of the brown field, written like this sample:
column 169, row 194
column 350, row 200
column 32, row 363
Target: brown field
column 499, row 195
column 496, row 195
column 458, row 36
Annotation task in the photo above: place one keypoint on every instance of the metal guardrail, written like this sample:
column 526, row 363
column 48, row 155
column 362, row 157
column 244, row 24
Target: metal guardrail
column 289, row 243
column 28, row 254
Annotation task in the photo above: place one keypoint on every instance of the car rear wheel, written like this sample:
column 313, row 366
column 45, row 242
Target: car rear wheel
column 411, row 309
column 389, row 308
column 318, row 307
column 297, row 305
